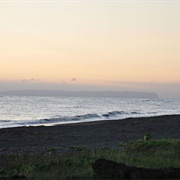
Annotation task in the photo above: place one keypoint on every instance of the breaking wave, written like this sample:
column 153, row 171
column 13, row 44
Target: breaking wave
column 114, row 113
column 48, row 111
column 78, row 118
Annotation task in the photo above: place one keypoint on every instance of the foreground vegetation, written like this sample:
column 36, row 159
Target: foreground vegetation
column 162, row 153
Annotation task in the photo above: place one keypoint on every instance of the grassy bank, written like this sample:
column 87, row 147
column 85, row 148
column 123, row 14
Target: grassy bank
column 163, row 153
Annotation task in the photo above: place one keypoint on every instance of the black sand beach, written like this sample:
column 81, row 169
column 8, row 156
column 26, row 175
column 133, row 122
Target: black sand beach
column 93, row 135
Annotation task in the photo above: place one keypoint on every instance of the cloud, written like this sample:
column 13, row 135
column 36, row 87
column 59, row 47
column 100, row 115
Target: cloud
column 28, row 80
column 63, row 82
column 73, row 79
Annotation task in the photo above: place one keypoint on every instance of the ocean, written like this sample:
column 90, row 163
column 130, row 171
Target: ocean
column 16, row 111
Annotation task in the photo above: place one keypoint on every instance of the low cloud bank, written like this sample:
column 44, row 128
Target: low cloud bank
column 164, row 90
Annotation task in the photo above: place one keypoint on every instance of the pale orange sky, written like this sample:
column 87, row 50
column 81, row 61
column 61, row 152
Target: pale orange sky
column 93, row 42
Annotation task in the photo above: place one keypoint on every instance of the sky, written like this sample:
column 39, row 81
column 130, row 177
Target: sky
column 91, row 45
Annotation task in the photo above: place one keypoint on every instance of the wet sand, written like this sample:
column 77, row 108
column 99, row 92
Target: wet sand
column 93, row 135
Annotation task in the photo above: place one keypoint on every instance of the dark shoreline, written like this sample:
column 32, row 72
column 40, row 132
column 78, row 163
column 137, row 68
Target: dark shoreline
column 93, row 135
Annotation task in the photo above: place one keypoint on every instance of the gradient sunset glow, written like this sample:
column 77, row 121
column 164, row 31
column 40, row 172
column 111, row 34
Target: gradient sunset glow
column 121, row 45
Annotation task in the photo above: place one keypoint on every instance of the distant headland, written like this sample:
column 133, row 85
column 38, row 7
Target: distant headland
column 110, row 94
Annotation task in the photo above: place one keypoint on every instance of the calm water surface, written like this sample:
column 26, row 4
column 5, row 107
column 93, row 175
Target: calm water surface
column 28, row 111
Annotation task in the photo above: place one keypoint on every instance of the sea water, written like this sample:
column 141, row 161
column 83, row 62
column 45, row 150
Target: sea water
column 32, row 111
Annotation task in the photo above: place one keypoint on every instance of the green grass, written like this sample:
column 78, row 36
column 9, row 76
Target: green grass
column 160, row 153
column 79, row 148
column 163, row 153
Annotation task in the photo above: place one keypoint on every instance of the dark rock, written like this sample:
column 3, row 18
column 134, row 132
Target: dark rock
column 14, row 177
column 18, row 177
column 108, row 169
column 1, row 177
column 105, row 169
